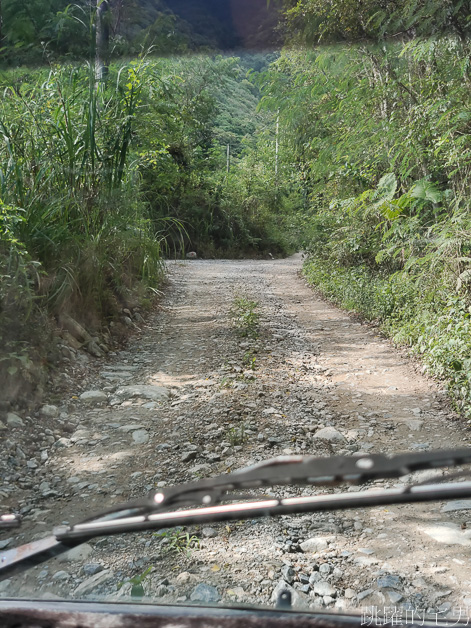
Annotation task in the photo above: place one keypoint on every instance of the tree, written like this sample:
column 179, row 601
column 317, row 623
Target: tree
column 315, row 21
column 102, row 30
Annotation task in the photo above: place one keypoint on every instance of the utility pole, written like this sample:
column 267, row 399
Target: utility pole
column 228, row 163
column 102, row 21
column 276, row 142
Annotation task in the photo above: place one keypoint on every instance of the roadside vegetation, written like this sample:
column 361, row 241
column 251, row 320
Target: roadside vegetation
column 99, row 182
column 380, row 132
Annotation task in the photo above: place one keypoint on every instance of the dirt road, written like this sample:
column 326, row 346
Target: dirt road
column 189, row 398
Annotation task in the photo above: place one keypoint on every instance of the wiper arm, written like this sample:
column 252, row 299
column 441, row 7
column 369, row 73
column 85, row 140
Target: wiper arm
column 162, row 509
column 9, row 521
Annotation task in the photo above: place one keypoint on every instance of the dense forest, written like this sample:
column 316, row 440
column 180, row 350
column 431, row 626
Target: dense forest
column 351, row 141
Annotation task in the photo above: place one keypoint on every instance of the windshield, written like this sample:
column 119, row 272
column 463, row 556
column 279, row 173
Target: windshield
column 162, row 166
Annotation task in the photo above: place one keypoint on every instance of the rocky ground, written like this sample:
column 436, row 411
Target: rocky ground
column 191, row 398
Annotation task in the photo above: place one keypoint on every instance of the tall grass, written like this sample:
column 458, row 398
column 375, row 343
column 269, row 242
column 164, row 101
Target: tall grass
column 75, row 237
column 65, row 177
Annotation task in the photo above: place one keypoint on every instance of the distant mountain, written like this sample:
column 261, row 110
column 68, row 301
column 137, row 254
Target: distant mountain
column 207, row 18
column 223, row 24
column 255, row 23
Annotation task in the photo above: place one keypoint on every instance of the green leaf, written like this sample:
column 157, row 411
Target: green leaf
column 387, row 187
column 12, row 370
column 464, row 278
column 426, row 191
column 390, row 210
column 137, row 591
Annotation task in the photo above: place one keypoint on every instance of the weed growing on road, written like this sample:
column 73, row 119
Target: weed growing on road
column 137, row 590
column 250, row 360
column 236, row 435
column 225, row 382
column 177, row 541
column 245, row 318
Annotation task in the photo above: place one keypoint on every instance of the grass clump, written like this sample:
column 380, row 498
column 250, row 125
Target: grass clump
column 236, row 435
column 178, row 541
column 245, row 317
column 98, row 182
column 249, row 360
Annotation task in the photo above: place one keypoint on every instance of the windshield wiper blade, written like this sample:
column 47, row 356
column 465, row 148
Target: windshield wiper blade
column 153, row 512
column 310, row 470
column 289, row 470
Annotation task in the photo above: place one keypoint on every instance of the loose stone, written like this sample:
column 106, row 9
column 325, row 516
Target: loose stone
column 314, row 544
column 13, row 420
column 205, row 593
column 330, row 434
column 90, row 584
column 49, row 411
column 94, row 396
column 389, row 582
column 324, row 588
column 90, row 569
column 188, row 456
column 154, row 393
column 76, row 553
column 287, row 573
column 140, row 437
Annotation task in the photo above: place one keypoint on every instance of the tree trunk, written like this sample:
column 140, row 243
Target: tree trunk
column 116, row 8
column 102, row 40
